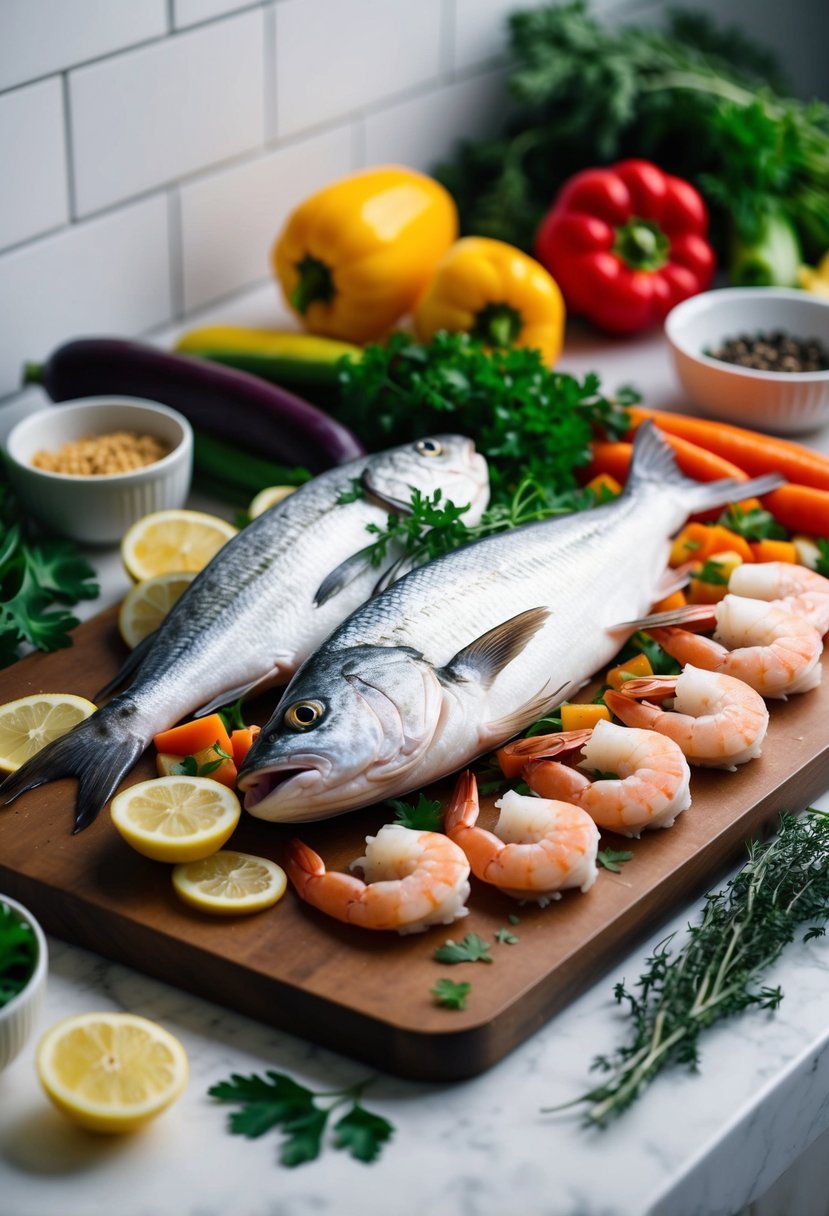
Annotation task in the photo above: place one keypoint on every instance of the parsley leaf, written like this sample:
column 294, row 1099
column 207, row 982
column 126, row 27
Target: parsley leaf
column 753, row 524
column 451, row 994
column 277, row 1101
column 473, row 949
column 425, row 816
column 611, row 859
column 18, row 954
column 506, row 937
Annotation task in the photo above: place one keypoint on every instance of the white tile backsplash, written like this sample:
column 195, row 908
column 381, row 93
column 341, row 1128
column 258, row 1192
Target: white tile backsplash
column 161, row 112
column 230, row 220
column 191, row 12
column 38, row 37
column 336, row 56
column 110, row 275
column 33, row 196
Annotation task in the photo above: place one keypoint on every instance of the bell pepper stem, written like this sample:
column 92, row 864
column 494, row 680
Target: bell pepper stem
column 641, row 245
column 315, row 282
column 498, row 325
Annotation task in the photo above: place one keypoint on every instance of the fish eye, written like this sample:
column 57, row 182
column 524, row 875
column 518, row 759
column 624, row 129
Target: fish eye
column 429, row 447
column 303, row 714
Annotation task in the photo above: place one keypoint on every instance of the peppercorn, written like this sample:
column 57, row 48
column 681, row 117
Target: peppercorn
column 773, row 352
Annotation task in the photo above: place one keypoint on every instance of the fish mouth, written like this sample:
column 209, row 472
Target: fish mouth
column 264, row 788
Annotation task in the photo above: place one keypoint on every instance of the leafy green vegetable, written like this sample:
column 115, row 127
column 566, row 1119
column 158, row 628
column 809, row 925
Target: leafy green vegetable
column 276, row 1100
column 473, row 949
column 18, row 954
column 506, row 937
column 425, row 816
column 753, row 524
column 715, row 972
column 37, row 577
column 613, row 859
column 701, row 101
column 822, row 564
column 452, row 995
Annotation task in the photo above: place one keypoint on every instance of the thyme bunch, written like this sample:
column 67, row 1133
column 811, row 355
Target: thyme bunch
column 716, row 972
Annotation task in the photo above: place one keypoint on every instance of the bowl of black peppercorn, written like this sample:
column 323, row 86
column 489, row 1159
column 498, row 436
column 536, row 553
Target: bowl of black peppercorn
column 754, row 356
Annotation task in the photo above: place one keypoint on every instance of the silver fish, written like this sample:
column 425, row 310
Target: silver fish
column 468, row 650
column 262, row 605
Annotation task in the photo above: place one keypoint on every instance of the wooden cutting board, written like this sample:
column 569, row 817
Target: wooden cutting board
column 362, row 993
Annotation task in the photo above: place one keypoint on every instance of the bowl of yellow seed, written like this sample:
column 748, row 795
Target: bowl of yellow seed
column 88, row 469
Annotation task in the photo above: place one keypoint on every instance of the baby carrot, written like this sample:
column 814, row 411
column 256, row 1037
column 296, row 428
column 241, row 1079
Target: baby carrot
column 800, row 508
column 192, row 737
column 693, row 460
column 774, row 551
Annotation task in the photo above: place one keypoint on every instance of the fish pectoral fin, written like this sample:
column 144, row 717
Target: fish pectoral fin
column 343, row 575
column 278, row 674
column 494, row 733
column 489, row 654
column 132, row 662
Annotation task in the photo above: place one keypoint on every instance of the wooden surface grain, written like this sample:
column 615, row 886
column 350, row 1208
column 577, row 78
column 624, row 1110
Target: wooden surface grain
column 369, row 994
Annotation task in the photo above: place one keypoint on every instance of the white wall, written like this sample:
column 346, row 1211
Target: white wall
column 150, row 149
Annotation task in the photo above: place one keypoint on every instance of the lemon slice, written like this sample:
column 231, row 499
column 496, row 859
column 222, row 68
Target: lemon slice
column 146, row 604
column 172, row 541
column 268, row 497
column 28, row 724
column 176, row 818
column 230, row 883
column 111, row 1072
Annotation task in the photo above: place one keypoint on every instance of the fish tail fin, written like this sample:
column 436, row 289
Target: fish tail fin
column 654, row 461
column 95, row 751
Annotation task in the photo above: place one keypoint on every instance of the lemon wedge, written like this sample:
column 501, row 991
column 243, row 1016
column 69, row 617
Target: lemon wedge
column 173, row 541
column 176, row 818
column 29, row 723
column 229, row 883
column 146, row 604
column 111, row 1072
column 268, row 497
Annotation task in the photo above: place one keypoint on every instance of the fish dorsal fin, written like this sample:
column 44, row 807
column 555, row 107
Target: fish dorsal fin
column 343, row 575
column 489, row 654
column 653, row 459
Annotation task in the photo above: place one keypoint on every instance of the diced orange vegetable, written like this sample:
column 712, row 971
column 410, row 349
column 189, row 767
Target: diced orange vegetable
column 583, row 717
column 604, row 482
column 639, row 665
column 699, row 541
column 710, row 591
column 676, row 600
column 192, row 737
column 774, row 551
column 241, row 741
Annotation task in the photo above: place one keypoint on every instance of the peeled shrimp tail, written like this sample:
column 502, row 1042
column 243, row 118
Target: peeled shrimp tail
column 98, row 751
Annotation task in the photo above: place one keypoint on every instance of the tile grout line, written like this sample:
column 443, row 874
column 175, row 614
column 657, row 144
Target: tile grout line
column 71, row 188
column 175, row 242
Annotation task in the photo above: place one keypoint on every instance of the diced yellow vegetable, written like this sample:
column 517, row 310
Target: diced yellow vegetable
column 583, row 717
column 677, row 599
column 639, row 665
column 710, row 591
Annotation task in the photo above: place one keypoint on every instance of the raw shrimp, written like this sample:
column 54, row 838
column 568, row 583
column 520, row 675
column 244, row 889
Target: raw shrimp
column 767, row 646
column 411, row 880
column 538, row 849
column 651, row 789
column 801, row 590
column 717, row 720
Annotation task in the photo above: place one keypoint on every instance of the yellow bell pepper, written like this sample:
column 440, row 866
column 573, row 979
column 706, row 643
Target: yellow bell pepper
column 815, row 278
column 496, row 293
column 354, row 257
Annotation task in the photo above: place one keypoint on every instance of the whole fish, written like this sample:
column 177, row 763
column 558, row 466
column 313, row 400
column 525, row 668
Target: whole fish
column 465, row 652
column 262, row 605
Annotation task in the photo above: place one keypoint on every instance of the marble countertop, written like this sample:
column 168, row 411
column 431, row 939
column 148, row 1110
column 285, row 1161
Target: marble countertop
column 693, row 1143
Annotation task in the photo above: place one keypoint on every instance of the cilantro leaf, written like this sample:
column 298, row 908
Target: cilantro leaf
column 362, row 1133
column 506, row 937
column 754, row 524
column 265, row 1103
column 611, row 859
column 451, row 994
column 425, row 816
column 303, row 1134
column 473, row 949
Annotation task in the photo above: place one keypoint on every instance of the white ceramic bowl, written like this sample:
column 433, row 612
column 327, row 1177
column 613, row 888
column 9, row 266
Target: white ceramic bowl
column 786, row 403
column 19, row 1016
column 97, row 510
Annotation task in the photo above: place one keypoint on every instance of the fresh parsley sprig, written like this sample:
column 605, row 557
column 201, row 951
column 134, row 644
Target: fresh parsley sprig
column 472, row 949
column 716, row 971
column 18, row 954
column 277, row 1101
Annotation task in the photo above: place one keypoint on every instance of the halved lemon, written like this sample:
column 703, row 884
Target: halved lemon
column 268, row 497
column 29, row 723
column 176, row 818
column 230, row 883
column 172, row 541
column 111, row 1072
column 146, row 604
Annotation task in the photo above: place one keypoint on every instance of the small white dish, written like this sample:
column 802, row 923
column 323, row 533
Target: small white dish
column 97, row 510
column 785, row 403
column 18, row 1017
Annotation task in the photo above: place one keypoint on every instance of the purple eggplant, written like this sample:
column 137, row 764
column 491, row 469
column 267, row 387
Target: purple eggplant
column 227, row 403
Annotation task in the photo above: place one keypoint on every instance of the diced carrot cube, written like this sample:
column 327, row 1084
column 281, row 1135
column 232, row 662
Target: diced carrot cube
column 639, row 665
column 774, row 551
column 676, row 600
column 709, row 583
column 167, row 765
column 583, row 717
column 241, row 741
column 604, row 483
column 724, row 540
column 192, row 737
column 691, row 543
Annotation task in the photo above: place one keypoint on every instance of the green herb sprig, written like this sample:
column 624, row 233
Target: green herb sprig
column 716, row 971
column 472, row 949
column 277, row 1101
column 18, row 954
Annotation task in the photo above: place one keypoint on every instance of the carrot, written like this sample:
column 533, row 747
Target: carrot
column 774, row 551
column 749, row 450
column 800, row 508
column 192, row 737
column 639, row 665
column 603, row 483
column 241, row 741
column 699, row 541
column 677, row 599
column 613, row 459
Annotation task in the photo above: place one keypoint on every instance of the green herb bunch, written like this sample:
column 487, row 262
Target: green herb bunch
column 701, row 101
column 39, row 579
column 18, row 954
column 716, row 971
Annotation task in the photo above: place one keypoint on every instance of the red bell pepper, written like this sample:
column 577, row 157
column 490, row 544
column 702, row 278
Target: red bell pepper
column 625, row 244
